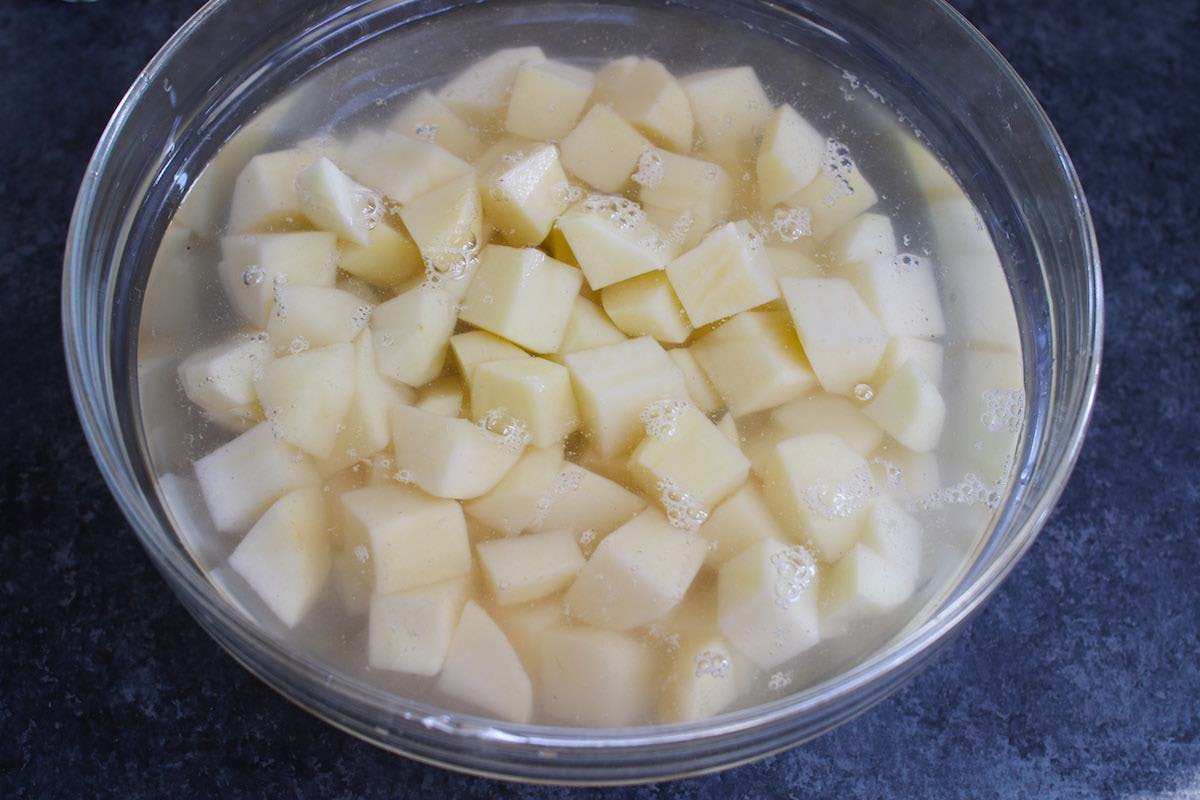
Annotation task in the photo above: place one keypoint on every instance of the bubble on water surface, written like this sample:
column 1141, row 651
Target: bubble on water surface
column 650, row 169
column 711, row 663
column 864, row 392
column 661, row 417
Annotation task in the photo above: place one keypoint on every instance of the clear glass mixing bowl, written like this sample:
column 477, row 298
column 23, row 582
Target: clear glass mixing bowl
column 234, row 56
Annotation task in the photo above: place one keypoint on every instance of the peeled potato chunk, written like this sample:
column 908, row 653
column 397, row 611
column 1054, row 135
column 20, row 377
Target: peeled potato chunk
column 428, row 118
column 535, row 391
column 333, row 201
column 523, row 189
column 265, row 196
column 986, row 413
column 509, row 282
column 838, row 194
column 446, row 225
column 902, row 293
column 603, row 149
column 411, row 631
column 726, row 273
column 613, row 240
column 700, row 390
column 790, row 157
column 525, row 624
column 482, row 668
column 450, row 457
column 473, row 348
column 252, row 266
column 523, row 568
column 731, row 110
column 547, row 99
column 910, row 408
column 651, row 100
column 700, row 683
column 315, row 316
column 400, row 167
column 388, row 259
column 512, row 505
column 867, row 237
column 928, row 356
column 480, row 93
column 443, row 396
column 679, row 186
column 594, row 677
column 842, row 338
column 587, row 327
column 647, row 306
column 412, row 333
column 741, row 520
column 306, row 396
column 828, row 413
column 220, row 379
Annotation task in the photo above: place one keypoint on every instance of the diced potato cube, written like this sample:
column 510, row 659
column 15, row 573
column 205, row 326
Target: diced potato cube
column 740, row 521
column 351, row 583
column 700, row 682
column 547, row 99
column 473, row 348
column 690, row 456
column 790, row 157
column 587, row 327
column 842, row 338
column 400, row 167
column 534, row 391
column 828, row 413
column 754, row 361
column 614, row 383
column 731, row 110
column 839, row 193
column 221, row 379
column 241, row 478
column 595, row 677
column 452, row 457
column 728, row 426
column 611, row 76
column 651, row 100
column 389, row 258
column 306, row 396
column 580, row 500
column 910, row 408
column 480, row 92
column 252, row 266
column 285, row 557
column 412, row 333
column 701, row 189
column 523, row 568
column 867, row 237
column 315, row 316
column 726, row 273
column 414, row 540
column 482, row 668
column 894, row 534
column 613, row 240
column 511, row 507
column 820, row 490
column 702, row 393
column 526, row 624
column 791, row 262
column 767, row 602
column 637, row 574
column 915, row 475
column 603, row 149
column 364, row 291
column 443, row 397
column 987, row 407
column 446, row 225
column 411, row 631
column 902, row 293
column 929, row 356
column 523, row 189
column 559, row 249
column 335, row 202
column 510, row 282
column 647, row 306
column 428, row 118
column 264, row 195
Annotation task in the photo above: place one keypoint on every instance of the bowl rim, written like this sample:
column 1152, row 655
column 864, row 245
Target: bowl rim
column 280, row 667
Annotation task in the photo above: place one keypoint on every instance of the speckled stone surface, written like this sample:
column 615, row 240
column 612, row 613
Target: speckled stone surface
column 1080, row 679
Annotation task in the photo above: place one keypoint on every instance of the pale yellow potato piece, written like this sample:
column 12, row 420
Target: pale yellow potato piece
column 400, row 167
column 519, row 569
column 446, row 225
column 726, row 273
column 443, row 397
column 700, row 189
column 603, row 149
column 929, row 356
column 829, row 413
column 613, row 240
column 901, row 292
column 839, row 193
column 910, row 408
column 558, row 248
column 587, row 327
column 523, row 189
column 364, row 291
column 510, row 282
column 986, row 413
column 252, row 266
column 547, row 99
column 451, row 457
column 790, row 157
column 792, row 262
column 701, row 391
column 740, row 521
column 700, row 682
column 637, row 574
column 306, row 396
column 482, row 668
column 511, row 507
column 867, row 237
column 647, row 306
column 480, row 93
column 220, row 379
column 731, row 110
column 473, row 348
column 351, row 584
column 535, row 391
column 610, row 77
column 843, row 340
column 285, row 558
column 926, row 169
column 333, row 201
column 428, row 118
column 412, row 333
column 389, row 258
column 755, row 362
column 614, row 383
column 728, row 426
column 315, row 316
column 647, row 96
column 411, row 631
column 915, row 475
column 526, row 624
column 595, row 677
column 264, row 194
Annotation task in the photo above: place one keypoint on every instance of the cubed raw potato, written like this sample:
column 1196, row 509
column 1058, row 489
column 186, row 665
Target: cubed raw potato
column 580, row 500
column 547, row 99
column 731, row 110
column 399, row 166
column 613, row 240
column 925, row 168
column 480, row 93
column 351, row 583
column 443, row 397
column 446, row 226
column 650, row 99
column 910, row 408
column 453, row 457
column 241, row 478
column 595, row 677
column 252, row 266
column 790, row 157
column 534, row 391
column 511, row 507
column 987, row 413
column 843, row 340
column 914, row 475
column 559, row 249
column 894, row 534
column 411, row 631
column 700, row 682
column 523, row 189
column 867, row 237
column 511, row 281
column 610, row 77
column 221, row 379
column 412, row 333
column 523, row 568
column 929, row 356
column 728, row 426
column 315, row 316
column 820, row 490
column 482, row 668
column 428, row 118
column 389, row 258
column 306, row 396
column 740, row 521
column 526, row 624
column 285, row 557
column 603, row 149
column 791, row 262
column 828, row 413
column 587, row 327
column 647, row 306
column 726, row 273
column 473, row 348
column 614, row 383
column 688, row 455
column 637, row 574
column 767, row 602
column 754, row 361
column 264, row 195
column 701, row 391
column 839, row 193
column 701, row 189
column 367, row 427
column 364, row 291
column 414, row 539
column 902, row 293
column 335, row 202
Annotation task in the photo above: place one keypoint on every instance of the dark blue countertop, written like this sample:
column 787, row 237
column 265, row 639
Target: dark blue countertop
column 1080, row 679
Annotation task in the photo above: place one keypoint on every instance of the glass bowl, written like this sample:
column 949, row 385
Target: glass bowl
column 235, row 56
